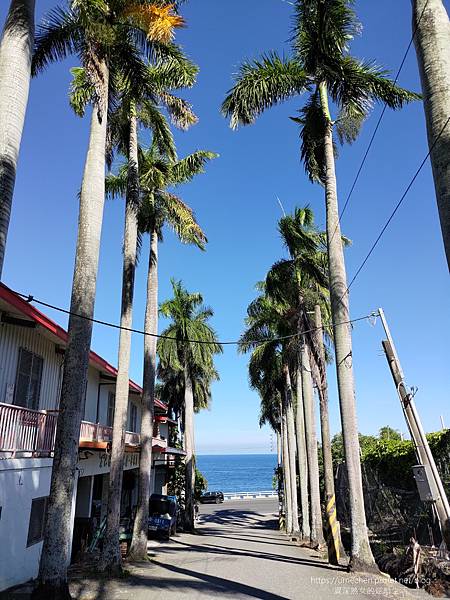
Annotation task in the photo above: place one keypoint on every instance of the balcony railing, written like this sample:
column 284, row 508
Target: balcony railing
column 93, row 432
column 26, row 430
column 23, row 430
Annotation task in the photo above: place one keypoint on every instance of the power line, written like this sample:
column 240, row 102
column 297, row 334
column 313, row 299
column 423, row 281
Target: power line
column 30, row 298
column 399, row 203
column 377, row 126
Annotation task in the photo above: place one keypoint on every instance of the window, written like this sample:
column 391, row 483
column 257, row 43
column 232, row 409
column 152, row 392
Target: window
column 132, row 417
column 28, row 379
column 110, row 413
column 37, row 520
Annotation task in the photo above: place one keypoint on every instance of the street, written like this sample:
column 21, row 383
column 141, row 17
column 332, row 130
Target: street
column 237, row 553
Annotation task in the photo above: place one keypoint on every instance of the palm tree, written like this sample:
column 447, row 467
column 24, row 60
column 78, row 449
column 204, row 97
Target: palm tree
column 320, row 375
column 108, row 36
column 157, row 207
column 177, row 351
column 267, row 321
column 432, row 41
column 16, row 49
column 301, row 276
column 137, row 107
column 321, row 64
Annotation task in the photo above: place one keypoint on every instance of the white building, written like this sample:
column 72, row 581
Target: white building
column 32, row 351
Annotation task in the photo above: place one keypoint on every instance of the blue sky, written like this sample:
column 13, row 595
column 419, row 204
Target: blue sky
column 236, row 203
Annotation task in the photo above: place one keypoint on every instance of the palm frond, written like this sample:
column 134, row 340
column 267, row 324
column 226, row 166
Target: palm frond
column 173, row 73
column 180, row 110
column 354, row 86
column 57, row 37
column 261, row 84
column 322, row 32
column 186, row 169
column 151, row 117
column 82, row 92
column 312, row 132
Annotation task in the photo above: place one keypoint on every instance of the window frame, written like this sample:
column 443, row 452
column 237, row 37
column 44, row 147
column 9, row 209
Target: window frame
column 40, row 537
column 132, row 418
column 110, row 408
column 34, row 357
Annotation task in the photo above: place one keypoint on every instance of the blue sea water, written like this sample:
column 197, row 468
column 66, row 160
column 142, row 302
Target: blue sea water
column 238, row 472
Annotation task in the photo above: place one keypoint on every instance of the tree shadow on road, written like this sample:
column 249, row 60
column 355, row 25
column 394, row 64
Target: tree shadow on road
column 209, row 584
column 238, row 552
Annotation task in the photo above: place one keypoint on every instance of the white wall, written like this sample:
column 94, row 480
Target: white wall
column 12, row 338
column 21, row 480
column 90, row 407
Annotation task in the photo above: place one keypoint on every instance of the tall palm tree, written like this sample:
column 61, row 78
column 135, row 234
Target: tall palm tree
column 137, row 107
column 322, row 65
column 16, row 48
column 432, row 41
column 189, row 322
column 108, row 37
column 267, row 321
column 300, row 280
column 157, row 207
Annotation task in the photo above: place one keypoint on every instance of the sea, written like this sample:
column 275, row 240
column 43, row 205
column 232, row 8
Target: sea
column 238, row 472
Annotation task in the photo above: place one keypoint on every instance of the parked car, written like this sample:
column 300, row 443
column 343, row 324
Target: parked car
column 213, row 497
column 162, row 515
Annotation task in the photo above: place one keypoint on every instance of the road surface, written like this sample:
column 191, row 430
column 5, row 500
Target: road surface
column 237, row 554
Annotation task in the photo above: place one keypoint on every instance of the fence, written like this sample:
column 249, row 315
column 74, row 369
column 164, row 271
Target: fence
column 249, row 495
column 33, row 431
column 26, row 430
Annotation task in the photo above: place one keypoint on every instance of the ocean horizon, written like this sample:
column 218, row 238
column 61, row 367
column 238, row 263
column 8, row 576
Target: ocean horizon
column 238, row 472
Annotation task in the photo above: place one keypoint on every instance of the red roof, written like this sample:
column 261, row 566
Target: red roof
column 25, row 308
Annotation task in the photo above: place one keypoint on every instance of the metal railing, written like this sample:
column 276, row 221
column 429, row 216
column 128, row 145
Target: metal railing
column 33, row 431
column 249, row 495
column 26, row 430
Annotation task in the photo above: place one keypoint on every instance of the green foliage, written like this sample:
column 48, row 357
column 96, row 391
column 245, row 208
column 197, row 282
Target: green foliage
column 177, row 480
column 201, row 484
column 387, row 433
column 319, row 59
column 177, row 354
column 393, row 458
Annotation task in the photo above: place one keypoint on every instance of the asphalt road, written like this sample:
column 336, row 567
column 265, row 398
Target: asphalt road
column 237, row 552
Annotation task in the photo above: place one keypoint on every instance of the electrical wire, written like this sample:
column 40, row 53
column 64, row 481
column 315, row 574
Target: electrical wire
column 399, row 203
column 30, row 298
column 377, row 126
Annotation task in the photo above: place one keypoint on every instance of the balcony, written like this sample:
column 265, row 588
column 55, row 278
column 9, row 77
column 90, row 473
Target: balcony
column 93, row 433
column 26, row 431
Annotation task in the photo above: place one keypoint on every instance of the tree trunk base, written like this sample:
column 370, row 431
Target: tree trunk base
column 357, row 565
column 48, row 591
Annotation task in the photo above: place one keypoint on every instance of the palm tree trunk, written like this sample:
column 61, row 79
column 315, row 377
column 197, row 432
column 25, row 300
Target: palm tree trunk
column 432, row 42
column 286, row 473
column 361, row 553
column 302, row 456
column 291, row 449
column 278, row 448
column 111, row 560
column 16, row 50
column 190, row 451
column 325, row 425
column 56, row 549
column 311, row 448
column 138, row 548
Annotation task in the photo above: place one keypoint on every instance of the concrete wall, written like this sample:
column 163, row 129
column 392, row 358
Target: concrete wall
column 21, row 480
column 12, row 338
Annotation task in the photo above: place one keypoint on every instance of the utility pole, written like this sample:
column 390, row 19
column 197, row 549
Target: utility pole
column 429, row 472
